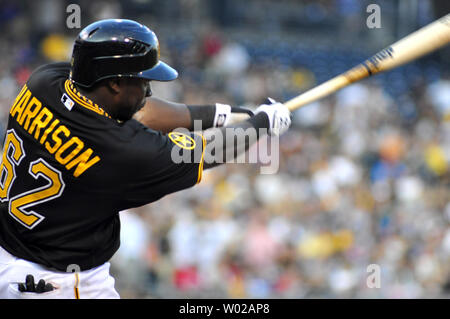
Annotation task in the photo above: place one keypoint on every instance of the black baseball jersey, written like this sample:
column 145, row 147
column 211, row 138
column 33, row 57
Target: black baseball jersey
column 68, row 168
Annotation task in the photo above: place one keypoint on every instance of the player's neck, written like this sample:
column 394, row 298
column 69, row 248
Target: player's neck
column 99, row 97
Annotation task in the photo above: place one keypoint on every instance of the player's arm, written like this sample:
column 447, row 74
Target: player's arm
column 167, row 163
column 226, row 143
column 165, row 116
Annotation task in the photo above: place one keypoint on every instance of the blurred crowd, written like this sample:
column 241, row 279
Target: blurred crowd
column 363, row 178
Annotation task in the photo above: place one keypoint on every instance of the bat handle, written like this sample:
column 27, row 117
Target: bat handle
column 317, row 93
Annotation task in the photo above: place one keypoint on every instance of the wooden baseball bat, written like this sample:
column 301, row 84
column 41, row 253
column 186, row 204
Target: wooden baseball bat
column 423, row 41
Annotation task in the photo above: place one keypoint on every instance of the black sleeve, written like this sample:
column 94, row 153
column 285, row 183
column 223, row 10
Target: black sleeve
column 157, row 165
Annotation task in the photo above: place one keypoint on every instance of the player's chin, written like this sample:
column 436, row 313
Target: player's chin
column 126, row 116
column 136, row 109
column 142, row 104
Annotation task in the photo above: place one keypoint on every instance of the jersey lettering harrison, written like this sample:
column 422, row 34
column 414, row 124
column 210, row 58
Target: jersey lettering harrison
column 68, row 168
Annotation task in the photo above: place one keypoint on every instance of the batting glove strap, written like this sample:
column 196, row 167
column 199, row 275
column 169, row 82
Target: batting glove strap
column 243, row 110
column 222, row 115
column 279, row 117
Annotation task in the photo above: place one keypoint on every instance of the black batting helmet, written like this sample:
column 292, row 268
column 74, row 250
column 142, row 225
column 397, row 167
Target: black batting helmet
column 117, row 48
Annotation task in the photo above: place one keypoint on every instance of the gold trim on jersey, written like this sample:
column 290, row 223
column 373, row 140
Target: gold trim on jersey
column 82, row 100
column 200, row 166
column 76, row 289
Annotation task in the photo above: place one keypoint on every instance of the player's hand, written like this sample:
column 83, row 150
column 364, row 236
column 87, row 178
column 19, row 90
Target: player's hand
column 279, row 116
column 30, row 286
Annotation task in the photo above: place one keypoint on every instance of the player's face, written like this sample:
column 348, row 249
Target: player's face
column 134, row 92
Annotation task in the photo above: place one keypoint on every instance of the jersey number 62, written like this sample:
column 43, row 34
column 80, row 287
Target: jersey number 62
column 19, row 205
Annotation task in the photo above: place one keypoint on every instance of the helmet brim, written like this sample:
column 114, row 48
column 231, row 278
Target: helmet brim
column 160, row 72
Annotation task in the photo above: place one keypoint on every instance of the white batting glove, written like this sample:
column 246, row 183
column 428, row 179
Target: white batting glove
column 222, row 116
column 279, row 116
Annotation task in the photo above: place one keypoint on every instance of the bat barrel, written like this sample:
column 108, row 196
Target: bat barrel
column 423, row 41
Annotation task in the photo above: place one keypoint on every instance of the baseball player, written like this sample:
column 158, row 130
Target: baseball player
column 74, row 157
